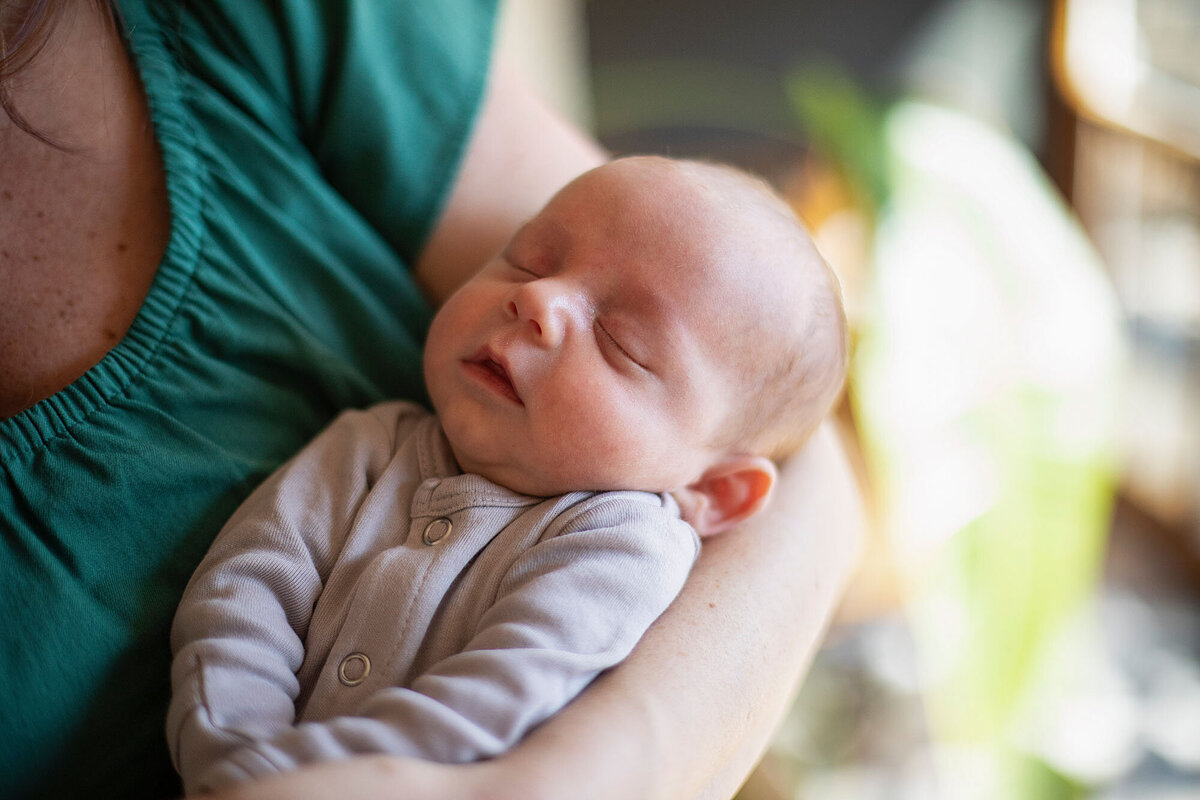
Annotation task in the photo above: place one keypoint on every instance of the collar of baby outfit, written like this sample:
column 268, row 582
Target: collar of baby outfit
column 445, row 488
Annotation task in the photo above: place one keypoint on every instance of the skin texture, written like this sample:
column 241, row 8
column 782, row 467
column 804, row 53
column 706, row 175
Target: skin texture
column 81, row 229
column 596, row 350
column 690, row 711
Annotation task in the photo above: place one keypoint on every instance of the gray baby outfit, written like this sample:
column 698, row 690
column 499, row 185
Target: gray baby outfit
column 371, row 598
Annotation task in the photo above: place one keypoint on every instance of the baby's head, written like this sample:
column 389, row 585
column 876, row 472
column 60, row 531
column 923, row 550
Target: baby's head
column 660, row 325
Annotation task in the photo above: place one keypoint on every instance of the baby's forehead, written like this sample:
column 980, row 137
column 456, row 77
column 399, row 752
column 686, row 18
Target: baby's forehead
column 722, row 181
column 713, row 203
column 717, row 241
column 757, row 312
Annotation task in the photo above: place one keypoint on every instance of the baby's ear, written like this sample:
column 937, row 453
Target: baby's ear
column 735, row 488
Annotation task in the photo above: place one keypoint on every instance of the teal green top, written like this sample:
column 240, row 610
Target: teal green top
column 308, row 148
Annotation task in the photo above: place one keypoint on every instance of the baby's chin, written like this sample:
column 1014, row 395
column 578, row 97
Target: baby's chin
column 536, row 480
column 511, row 476
column 548, row 478
column 518, row 482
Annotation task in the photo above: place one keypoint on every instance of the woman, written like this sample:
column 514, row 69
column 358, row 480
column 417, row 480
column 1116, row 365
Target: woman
column 214, row 219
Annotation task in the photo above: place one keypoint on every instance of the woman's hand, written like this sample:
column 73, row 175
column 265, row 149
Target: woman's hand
column 373, row 777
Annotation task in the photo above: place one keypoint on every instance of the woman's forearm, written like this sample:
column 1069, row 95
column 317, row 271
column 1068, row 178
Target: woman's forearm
column 691, row 711
column 817, row 527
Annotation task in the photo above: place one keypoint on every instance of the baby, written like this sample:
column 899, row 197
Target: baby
column 616, row 382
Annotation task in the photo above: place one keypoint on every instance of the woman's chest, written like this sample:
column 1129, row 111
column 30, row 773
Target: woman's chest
column 83, row 224
column 80, row 242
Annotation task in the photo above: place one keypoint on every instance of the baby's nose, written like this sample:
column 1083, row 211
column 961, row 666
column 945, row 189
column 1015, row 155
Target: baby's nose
column 514, row 311
column 545, row 306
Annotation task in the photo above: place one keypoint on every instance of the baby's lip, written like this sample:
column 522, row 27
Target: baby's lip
column 490, row 369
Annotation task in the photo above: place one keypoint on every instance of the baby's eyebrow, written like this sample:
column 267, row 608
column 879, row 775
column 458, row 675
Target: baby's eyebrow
column 650, row 307
column 537, row 239
column 650, row 314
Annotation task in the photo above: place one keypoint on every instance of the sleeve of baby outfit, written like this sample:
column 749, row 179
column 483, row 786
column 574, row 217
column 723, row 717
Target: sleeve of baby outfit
column 572, row 606
column 238, row 634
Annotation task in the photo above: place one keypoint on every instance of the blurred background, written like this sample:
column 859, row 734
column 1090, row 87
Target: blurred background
column 1009, row 191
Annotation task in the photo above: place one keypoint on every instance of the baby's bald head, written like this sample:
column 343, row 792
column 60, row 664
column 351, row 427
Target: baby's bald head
column 788, row 340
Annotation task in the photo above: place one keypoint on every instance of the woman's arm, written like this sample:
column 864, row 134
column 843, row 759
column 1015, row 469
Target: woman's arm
column 521, row 153
column 691, row 711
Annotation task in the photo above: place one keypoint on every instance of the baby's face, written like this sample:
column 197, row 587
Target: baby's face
column 594, row 352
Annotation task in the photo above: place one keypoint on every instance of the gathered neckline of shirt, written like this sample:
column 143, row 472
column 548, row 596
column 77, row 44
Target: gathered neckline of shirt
column 446, row 489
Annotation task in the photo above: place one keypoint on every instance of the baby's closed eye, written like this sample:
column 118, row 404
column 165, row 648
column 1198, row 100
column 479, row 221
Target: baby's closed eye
column 617, row 351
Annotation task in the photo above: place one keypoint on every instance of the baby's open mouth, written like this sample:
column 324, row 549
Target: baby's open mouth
column 492, row 374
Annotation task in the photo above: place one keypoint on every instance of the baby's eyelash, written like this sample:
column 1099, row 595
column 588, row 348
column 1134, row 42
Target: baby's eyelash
column 617, row 345
column 524, row 270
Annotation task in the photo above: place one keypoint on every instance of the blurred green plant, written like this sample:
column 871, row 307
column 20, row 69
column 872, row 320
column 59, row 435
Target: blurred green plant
column 983, row 389
column 846, row 125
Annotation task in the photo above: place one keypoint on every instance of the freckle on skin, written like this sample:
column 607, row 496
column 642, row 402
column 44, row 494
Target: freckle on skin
column 7, row 195
column 122, row 247
column 712, row 605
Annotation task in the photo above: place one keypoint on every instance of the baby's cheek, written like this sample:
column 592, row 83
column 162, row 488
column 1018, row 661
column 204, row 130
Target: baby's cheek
column 595, row 430
column 594, row 454
column 578, row 398
column 626, row 450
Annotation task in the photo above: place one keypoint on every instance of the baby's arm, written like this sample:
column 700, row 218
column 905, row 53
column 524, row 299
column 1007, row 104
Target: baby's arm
column 239, row 630
column 570, row 607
